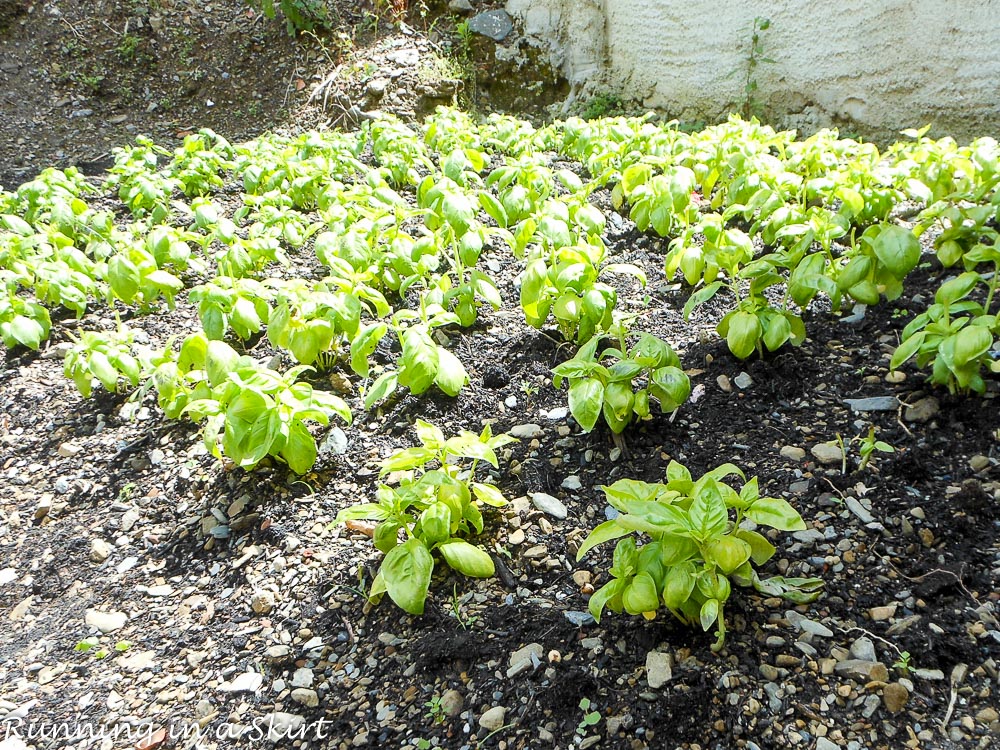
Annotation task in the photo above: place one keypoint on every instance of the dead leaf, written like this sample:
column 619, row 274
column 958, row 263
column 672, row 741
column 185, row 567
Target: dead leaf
column 364, row 527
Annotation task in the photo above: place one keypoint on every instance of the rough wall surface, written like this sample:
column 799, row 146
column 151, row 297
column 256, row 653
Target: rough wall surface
column 872, row 67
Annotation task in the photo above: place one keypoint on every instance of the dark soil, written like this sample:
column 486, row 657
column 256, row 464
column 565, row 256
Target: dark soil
column 146, row 488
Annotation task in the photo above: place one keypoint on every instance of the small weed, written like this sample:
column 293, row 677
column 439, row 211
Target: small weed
column 590, row 718
column 128, row 47
column 902, row 664
column 456, row 609
column 604, row 104
column 435, row 711
column 752, row 106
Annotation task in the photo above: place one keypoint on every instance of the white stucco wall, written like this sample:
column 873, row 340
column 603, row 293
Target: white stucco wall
column 874, row 66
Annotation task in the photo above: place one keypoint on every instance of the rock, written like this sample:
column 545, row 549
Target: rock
column 822, row 743
column 854, row 505
column 659, row 669
column 106, row 622
column 572, row 482
column 979, row 463
column 828, row 453
column 7, row 575
column 248, row 682
column 743, row 381
column 99, row 550
column 283, row 726
column 577, row 618
column 864, row 649
column 452, row 703
column 560, row 412
column 495, row 24
column 816, row 628
column 302, row 678
column 988, row 716
column 769, row 672
column 725, row 385
column 306, row 697
column 492, row 719
column 461, row 6
column 881, row 614
column 552, row 506
column 13, row 742
column 335, row 442
column 922, row 410
column 894, row 697
column 68, row 450
column 262, row 602
column 934, row 675
column 526, row 658
column 895, row 377
column 809, row 536
column 864, row 671
column 137, row 661
column 43, row 508
column 278, row 653
column 129, row 520
column 526, row 431
column 792, row 453
column 874, row 403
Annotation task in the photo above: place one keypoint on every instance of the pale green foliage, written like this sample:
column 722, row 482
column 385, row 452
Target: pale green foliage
column 702, row 537
column 436, row 510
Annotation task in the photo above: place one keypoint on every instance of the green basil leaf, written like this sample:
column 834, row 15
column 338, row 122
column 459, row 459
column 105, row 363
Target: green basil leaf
column 467, row 559
column 406, row 571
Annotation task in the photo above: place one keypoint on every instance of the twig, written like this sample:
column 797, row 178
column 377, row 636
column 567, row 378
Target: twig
column 73, row 29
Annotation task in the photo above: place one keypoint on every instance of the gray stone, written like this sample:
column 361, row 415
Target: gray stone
column 460, row 6
column 572, row 482
column 283, row 726
column 874, row 403
column 494, row 24
column 854, row 505
column 248, row 682
column 822, row 743
column 492, row 719
column 743, row 381
column 302, row 678
column 106, row 622
column 305, row 697
column 828, row 453
column 526, row 431
column 452, row 703
column 922, row 410
column 816, row 628
column 578, row 618
column 864, row 649
column 792, row 453
column 659, row 669
column 524, row 659
column 335, row 442
column 809, row 536
column 552, row 506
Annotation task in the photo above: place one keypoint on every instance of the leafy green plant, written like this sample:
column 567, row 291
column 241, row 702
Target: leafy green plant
column 696, row 548
column 567, row 286
column 105, row 357
column 300, row 15
column 422, row 361
column 249, row 411
column 954, row 336
column 22, row 322
column 596, row 390
column 435, row 509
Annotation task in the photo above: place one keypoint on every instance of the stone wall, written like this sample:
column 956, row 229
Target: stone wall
column 871, row 67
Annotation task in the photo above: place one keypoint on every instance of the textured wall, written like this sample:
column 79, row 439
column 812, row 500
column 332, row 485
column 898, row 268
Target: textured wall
column 874, row 67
